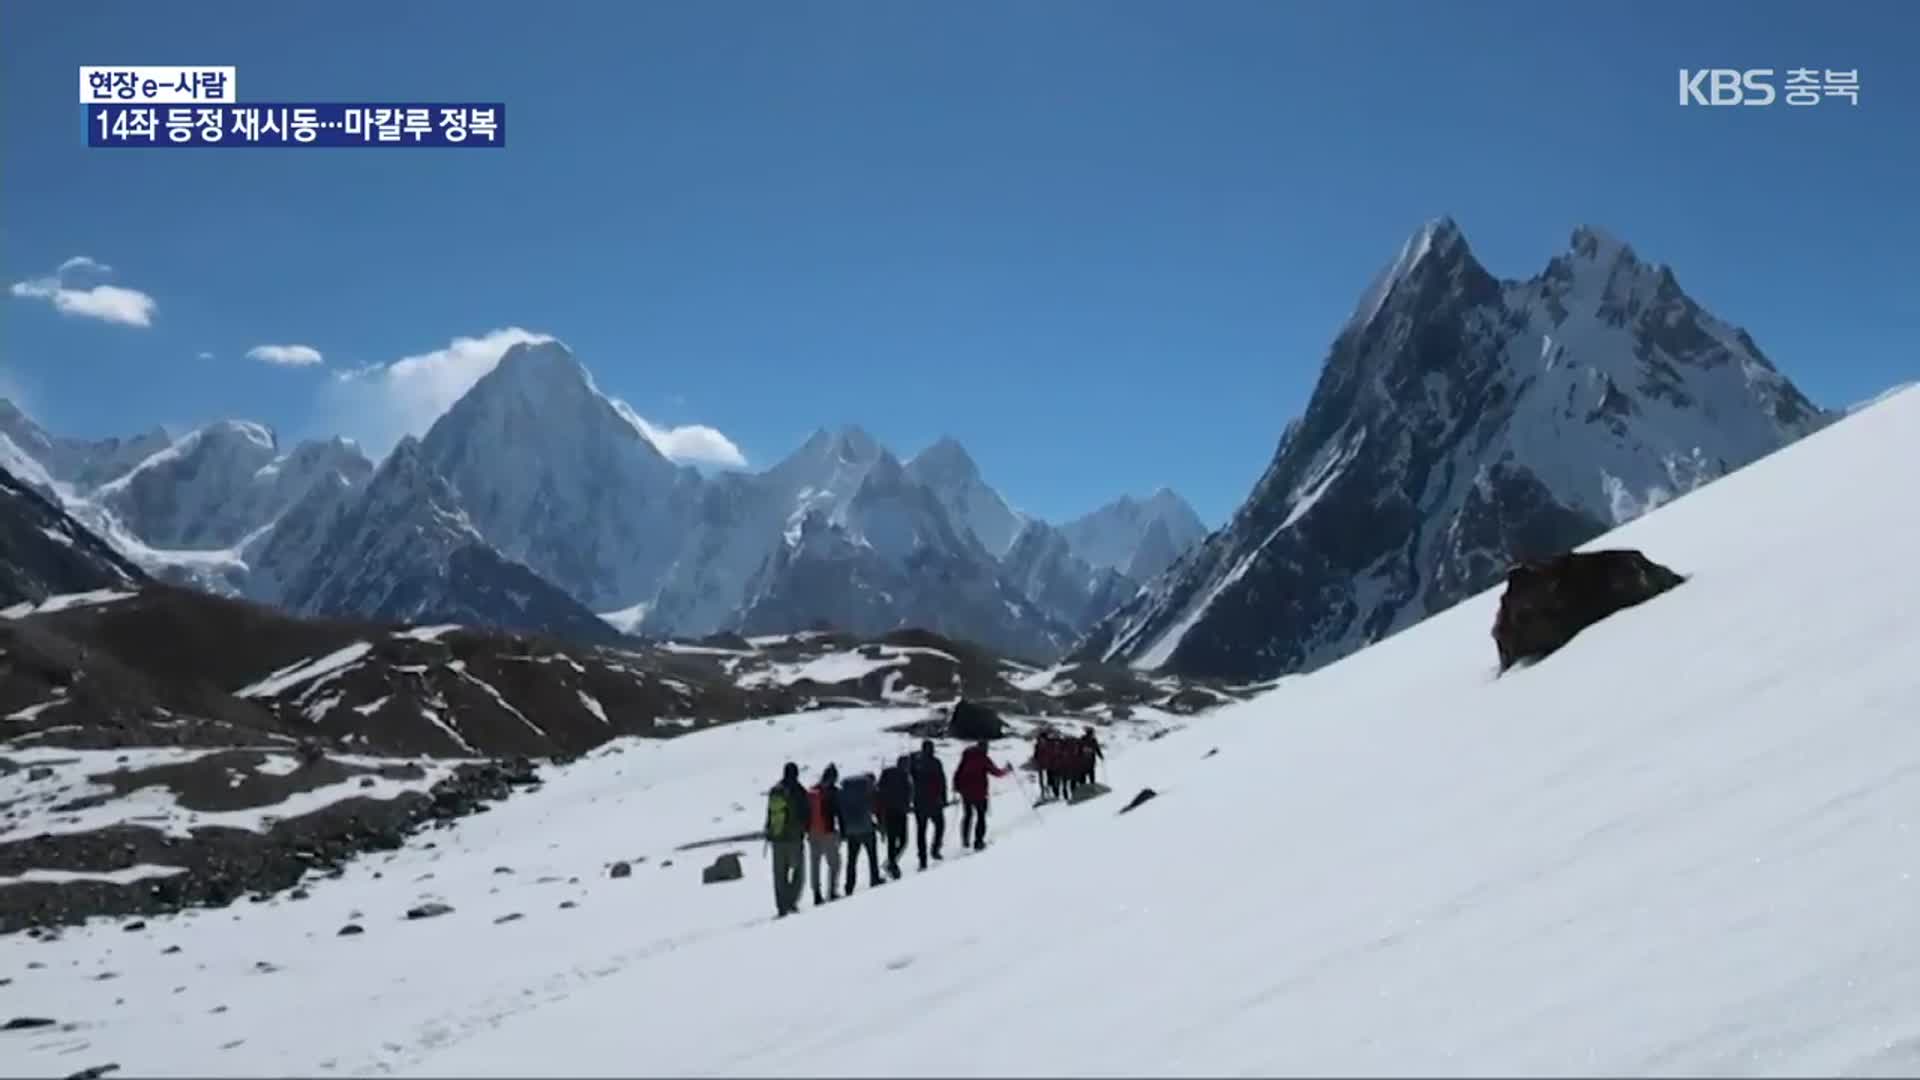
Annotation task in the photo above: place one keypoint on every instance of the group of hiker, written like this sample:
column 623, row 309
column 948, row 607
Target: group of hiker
column 808, row 827
column 1065, row 764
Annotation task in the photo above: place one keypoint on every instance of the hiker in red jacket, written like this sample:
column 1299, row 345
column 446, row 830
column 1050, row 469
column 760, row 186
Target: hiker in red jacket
column 970, row 783
column 1057, row 766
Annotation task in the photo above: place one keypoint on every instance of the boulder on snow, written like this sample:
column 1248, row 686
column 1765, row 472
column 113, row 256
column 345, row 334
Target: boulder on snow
column 621, row 869
column 429, row 910
column 724, row 868
column 1548, row 601
column 1145, row 794
column 972, row 721
column 1090, row 790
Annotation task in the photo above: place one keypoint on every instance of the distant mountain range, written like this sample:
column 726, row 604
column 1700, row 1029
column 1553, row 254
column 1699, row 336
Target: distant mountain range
column 1460, row 422
column 537, row 501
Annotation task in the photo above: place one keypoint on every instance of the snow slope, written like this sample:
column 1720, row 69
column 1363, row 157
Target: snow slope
column 1681, row 845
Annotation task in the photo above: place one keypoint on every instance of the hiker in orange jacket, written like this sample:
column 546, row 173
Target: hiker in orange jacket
column 823, row 833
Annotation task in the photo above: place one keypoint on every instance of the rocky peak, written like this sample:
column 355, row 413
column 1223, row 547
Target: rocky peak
column 1460, row 421
column 946, row 461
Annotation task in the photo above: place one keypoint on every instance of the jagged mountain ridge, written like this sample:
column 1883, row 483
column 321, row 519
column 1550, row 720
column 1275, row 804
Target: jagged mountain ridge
column 1460, row 422
column 554, row 477
column 894, row 557
column 403, row 550
column 194, row 509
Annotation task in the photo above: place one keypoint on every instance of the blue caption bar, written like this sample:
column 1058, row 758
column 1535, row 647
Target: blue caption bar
column 410, row 125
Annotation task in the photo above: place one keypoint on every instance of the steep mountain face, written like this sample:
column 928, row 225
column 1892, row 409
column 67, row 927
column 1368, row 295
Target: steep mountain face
column 1042, row 566
column 1461, row 422
column 744, row 519
column 894, row 558
column 45, row 552
column 560, row 477
column 403, row 550
column 1120, row 535
column 297, row 539
column 950, row 473
column 222, row 484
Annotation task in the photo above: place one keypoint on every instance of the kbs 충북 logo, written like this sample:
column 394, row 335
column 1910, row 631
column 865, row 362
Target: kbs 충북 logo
column 1757, row 86
column 197, row 106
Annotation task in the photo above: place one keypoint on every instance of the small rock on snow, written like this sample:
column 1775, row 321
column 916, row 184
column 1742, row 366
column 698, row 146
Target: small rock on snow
column 724, row 868
column 351, row 929
column 428, row 911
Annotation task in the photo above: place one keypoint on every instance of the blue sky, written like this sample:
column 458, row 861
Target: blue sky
column 1105, row 244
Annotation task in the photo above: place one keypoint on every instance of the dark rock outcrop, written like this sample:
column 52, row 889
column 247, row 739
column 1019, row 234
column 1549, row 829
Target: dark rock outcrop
column 973, row 721
column 1145, row 795
column 44, row 552
column 1548, row 601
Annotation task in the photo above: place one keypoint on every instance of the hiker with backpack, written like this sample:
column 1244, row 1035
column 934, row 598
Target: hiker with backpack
column 823, row 832
column 1090, row 754
column 893, row 798
column 787, row 808
column 856, row 825
column 970, row 782
column 929, row 799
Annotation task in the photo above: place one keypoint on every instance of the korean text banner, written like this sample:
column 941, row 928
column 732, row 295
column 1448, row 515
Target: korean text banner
column 436, row 124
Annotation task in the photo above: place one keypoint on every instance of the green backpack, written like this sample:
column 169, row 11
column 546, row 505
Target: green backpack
column 779, row 813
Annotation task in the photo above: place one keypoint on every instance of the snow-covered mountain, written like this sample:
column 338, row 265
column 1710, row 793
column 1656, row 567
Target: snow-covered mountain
column 560, row 477
column 950, row 473
column 192, row 510
column 223, row 483
column 402, row 549
column 892, row 557
column 1043, row 566
column 83, row 464
column 563, row 481
column 1138, row 537
column 1461, row 421
column 744, row 519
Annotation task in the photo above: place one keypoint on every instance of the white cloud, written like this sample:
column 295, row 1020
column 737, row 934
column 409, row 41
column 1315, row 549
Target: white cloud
column 108, row 303
column 285, row 355
column 381, row 403
column 689, row 444
column 206, row 356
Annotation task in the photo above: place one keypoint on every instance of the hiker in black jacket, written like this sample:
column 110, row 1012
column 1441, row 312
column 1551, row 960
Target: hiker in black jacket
column 893, row 798
column 856, row 827
column 929, row 800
